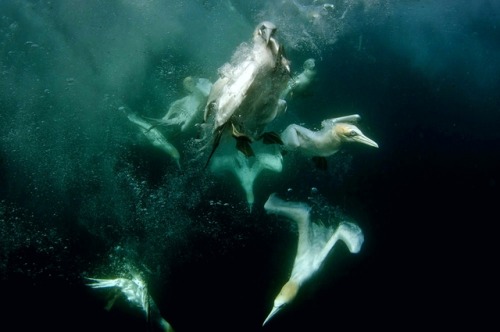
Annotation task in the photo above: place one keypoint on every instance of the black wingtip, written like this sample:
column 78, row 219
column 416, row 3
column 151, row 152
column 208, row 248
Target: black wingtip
column 210, row 156
column 217, row 138
column 271, row 137
column 243, row 145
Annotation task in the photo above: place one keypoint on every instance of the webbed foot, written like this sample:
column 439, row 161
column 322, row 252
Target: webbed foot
column 271, row 137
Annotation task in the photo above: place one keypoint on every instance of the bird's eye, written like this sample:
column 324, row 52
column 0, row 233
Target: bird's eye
column 352, row 133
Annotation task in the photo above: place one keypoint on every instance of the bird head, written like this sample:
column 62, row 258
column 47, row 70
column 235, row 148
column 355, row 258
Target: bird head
column 286, row 295
column 309, row 64
column 189, row 83
column 351, row 133
column 264, row 33
column 265, row 30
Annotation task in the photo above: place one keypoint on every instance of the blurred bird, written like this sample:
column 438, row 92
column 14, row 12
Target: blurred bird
column 153, row 135
column 315, row 242
column 246, row 96
column 135, row 291
column 313, row 13
column 326, row 141
column 299, row 83
column 188, row 111
column 247, row 169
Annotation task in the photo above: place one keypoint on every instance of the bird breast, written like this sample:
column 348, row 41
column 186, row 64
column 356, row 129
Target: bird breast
column 321, row 143
column 251, row 93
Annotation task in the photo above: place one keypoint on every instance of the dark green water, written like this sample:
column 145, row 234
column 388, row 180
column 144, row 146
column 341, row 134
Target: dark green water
column 83, row 195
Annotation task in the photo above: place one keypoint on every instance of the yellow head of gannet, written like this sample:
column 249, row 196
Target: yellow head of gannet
column 325, row 142
column 350, row 133
column 315, row 242
column 286, row 295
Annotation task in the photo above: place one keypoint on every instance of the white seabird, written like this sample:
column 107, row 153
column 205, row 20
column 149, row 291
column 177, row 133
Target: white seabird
column 153, row 135
column 135, row 291
column 315, row 241
column 326, row 141
column 246, row 97
column 247, row 169
column 188, row 111
column 300, row 82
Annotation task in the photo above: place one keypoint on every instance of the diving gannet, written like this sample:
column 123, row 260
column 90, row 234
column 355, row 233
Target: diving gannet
column 301, row 82
column 135, row 291
column 153, row 135
column 315, row 241
column 247, row 169
column 314, row 13
column 188, row 111
column 326, row 141
column 246, row 96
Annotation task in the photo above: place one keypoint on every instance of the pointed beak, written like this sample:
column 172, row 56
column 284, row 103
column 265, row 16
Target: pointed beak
column 271, row 314
column 267, row 36
column 365, row 140
column 267, row 33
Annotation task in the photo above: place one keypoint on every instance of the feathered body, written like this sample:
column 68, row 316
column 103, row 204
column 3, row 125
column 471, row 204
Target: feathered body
column 326, row 141
column 314, row 244
column 247, row 94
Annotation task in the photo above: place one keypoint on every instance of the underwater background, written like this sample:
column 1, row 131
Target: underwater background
column 83, row 194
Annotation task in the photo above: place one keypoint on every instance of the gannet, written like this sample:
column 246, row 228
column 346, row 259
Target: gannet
column 326, row 141
column 135, row 291
column 153, row 135
column 315, row 241
column 246, row 96
column 188, row 111
column 314, row 13
column 247, row 169
column 299, row 83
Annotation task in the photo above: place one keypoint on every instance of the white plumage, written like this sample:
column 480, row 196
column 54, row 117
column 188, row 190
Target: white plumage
column 247, row 169
column 188, row 111
column 154, row 136
column 315, row 241
column 136, row 293
column 247, row 94
column 326, row 141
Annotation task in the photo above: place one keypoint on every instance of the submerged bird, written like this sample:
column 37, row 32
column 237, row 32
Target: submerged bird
column 246, row 97
column 247, row 169
column 153, row 135
column 135, row 291
column 188, row 111
column 315, row 242
column 299, row 83
column 314, row 13
column 326, row 141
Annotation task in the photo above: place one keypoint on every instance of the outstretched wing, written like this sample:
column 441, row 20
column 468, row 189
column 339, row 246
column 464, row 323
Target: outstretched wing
column 354, row 118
